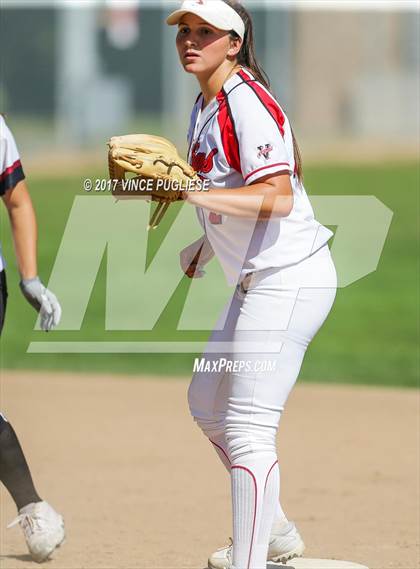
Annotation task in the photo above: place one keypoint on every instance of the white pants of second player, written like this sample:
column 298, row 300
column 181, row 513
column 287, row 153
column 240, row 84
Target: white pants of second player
column 271, row 319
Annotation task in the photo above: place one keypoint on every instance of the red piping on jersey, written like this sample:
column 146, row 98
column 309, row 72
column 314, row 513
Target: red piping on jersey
column 221, row 449
column 255, row 511
column 10, row 170
column 228, row 133
column 267, row 100
column 269, row 472
column 266, row 167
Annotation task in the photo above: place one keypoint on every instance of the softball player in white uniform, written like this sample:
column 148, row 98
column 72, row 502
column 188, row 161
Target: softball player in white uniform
column 259, row 223
column 42, row 526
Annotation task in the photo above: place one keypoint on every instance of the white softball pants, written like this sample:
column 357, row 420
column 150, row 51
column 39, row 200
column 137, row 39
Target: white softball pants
column 269, row 322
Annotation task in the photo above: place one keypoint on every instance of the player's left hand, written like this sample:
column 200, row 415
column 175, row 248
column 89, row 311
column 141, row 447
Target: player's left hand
column 44, row 301
column 189, row 263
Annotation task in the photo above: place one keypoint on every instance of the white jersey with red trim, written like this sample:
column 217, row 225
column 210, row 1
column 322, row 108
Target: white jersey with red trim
column 11, row 171
column 241, row 136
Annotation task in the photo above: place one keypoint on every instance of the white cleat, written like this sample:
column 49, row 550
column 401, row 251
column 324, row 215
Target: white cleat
column 222, row 558
column 43, row 529
column 285, row 544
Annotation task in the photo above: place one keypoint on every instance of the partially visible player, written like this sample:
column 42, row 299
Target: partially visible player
column 42, row 526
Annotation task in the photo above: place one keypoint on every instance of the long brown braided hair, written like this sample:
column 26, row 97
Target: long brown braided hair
column 247, row 58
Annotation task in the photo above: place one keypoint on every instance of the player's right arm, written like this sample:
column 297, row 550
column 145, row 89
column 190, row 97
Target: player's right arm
column 24, row 229
column 19, row 206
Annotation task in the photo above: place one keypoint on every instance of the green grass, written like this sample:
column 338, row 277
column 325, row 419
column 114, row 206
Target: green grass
column 371, row 336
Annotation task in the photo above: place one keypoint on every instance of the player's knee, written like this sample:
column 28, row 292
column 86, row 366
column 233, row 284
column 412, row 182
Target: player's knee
column 195, row 402
column 246, row 439
column 211, row 426
column 199, row 402
column 202, row 411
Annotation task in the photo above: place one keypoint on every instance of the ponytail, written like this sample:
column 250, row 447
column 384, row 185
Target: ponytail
column 247, row 58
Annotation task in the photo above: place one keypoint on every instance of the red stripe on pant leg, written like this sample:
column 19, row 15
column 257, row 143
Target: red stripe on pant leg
column 220, row 448
column 255, row 510
column 269, row 472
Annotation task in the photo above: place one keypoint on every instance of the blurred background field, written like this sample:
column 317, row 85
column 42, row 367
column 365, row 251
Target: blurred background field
column 349, row 82
column 370, row 337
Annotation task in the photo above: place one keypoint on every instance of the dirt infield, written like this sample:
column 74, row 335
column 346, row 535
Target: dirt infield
column 140, row 488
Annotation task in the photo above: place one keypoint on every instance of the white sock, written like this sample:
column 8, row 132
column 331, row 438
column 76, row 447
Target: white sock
column 280, row 519
column 255, row 486
column 220, row 447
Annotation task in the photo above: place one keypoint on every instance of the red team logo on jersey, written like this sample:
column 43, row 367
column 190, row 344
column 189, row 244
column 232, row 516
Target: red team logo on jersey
column 203, row 165
column 200, row 162
column 264, row 151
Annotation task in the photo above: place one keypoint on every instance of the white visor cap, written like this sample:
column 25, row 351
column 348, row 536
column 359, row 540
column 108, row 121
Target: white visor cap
column 215, row 12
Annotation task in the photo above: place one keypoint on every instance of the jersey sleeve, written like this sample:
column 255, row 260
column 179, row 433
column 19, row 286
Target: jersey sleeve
column 259, row 126
column 11, row 171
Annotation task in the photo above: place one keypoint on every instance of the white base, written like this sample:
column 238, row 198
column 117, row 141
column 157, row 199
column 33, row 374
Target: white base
column 305, row 563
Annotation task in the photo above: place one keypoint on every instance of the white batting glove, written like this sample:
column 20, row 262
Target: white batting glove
column 44, row 301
